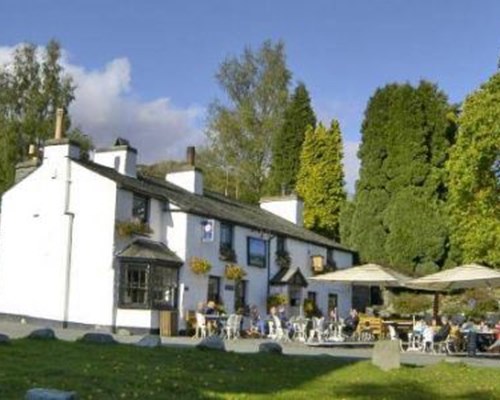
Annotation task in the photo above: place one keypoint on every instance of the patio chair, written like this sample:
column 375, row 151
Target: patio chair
column 201, row 326
column 231, row 329
column 317, row 330
column 280, row 332
column 299, row 329
column 393, row 335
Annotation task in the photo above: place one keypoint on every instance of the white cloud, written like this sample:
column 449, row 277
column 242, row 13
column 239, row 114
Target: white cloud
column 351, row 164
column 105, row 107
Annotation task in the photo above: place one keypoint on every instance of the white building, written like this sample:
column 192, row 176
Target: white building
column 65, row 258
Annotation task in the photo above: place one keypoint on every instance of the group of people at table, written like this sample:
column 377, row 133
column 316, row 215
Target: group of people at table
column 422, row 335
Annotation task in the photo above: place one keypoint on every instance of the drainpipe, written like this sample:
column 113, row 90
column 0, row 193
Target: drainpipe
column 69, row 246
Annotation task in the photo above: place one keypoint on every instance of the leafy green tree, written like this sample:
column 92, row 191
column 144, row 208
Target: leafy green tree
column 287, row 144
column 399, row 213
column 321, row 179
column 31, row 89
column 240, row 132
column 474, row 169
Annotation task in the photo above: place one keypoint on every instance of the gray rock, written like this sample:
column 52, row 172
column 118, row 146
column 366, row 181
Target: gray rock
column 270, row 347
column 212, row 343
column 149, row 341
column 49, row 394
column 386, row 354
column 43, row 333
column 123, row 332
column 4, row 339
column 100, row 338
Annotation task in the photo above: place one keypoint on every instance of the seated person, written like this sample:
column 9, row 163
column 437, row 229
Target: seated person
column 210, row 308
column 351, row 322
column 443, row 331
column 495, row 347
column 257, row 323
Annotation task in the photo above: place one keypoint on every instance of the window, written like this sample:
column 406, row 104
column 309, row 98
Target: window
column 311, row 296
column 256, row 252
column 280, row 244
column 226, row 251
column 148, row 286
column 140, row 208
column 332, row 301
column 240, row 294
column 214, row 289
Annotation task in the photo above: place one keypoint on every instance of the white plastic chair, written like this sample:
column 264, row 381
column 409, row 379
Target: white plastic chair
column 201, row 326
column 299, row 329
column 428, row 340
column 280, row 332
column 230, row 327
column 317, row 330
column 393, row 335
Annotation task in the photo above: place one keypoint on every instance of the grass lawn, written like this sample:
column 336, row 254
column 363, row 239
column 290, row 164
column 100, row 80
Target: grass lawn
column 129, row 372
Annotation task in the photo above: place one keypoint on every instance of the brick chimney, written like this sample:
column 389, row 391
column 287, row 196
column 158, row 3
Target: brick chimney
column 289, row 207
column 188, row 177
column 60, row 146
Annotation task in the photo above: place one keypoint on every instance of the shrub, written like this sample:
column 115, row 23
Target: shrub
column 411, row 303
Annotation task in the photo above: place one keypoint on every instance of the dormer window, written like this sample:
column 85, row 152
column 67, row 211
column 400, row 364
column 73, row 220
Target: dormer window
column 140, row 208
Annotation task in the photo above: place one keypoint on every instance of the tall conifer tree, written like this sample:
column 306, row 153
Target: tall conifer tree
column 399, row 209
column 287, row 143
column 321, row 179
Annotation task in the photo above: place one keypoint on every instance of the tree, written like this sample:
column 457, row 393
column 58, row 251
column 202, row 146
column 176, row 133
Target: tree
column 320, row 180
column 399, row 213
column 287, row 143
column 31, row 89
column 240, row 132
column 474, row 169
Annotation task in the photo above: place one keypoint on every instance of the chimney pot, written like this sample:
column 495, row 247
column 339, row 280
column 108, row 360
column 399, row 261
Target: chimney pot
column 59, row 123
column 191, row 155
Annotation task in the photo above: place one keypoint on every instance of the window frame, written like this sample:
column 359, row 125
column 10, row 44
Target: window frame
column 229, row 228
column 217, row 298
column 138, row 216
column 251, row 261
column 150, row 286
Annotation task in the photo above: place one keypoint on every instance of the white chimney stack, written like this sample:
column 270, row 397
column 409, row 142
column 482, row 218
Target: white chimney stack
column 122, row 157
column 188, row 177
column 289, row 207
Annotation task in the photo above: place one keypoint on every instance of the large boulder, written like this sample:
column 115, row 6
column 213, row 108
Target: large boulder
column 43, row 333
column 149, row 341
column 212, row 343
column 387, row 354
column 4, row 339
column 270, row 347
column 49, row 394
column 100, row 338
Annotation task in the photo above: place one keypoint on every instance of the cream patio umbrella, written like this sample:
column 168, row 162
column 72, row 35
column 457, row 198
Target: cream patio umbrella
column 365, row 275
column 463, row 277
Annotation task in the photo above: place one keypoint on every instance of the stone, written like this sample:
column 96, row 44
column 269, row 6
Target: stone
column 100, row 338
column 212, row 343
column 386, row 354
column 270, row 347
column 123, row 332
column 149, row 341
column 49, row 394
column 43, row 333
column 4, row 339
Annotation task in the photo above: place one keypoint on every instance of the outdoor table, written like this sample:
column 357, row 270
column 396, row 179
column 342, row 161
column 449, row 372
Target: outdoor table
column 482, row 339
column 215, row 323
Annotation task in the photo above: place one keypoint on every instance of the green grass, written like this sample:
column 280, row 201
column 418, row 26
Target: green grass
column 129, row 372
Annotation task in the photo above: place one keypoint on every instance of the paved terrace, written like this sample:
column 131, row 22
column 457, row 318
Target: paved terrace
column 18, row 330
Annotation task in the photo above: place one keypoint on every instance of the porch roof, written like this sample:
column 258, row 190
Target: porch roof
column 149, row 250
column 289, row 276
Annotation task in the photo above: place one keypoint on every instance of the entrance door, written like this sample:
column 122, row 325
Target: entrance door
column 295, row 296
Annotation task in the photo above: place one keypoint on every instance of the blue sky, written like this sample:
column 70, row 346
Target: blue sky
column 146, row 69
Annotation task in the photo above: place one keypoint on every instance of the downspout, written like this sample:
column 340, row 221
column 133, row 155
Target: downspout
column 69, row 245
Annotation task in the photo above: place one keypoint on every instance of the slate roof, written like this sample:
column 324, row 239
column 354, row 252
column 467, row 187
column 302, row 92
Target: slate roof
column 149, row 250
column 213, row 205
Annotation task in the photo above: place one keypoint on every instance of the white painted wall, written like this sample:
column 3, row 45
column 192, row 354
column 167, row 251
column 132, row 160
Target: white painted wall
column 121, row 158
column 190, row 180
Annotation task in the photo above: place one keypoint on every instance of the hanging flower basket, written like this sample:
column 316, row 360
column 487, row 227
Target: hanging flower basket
column 283, row 259
column 234, row 272
column 129, row 228
column 227, row 254
column 200, row 266
column 276, row 300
